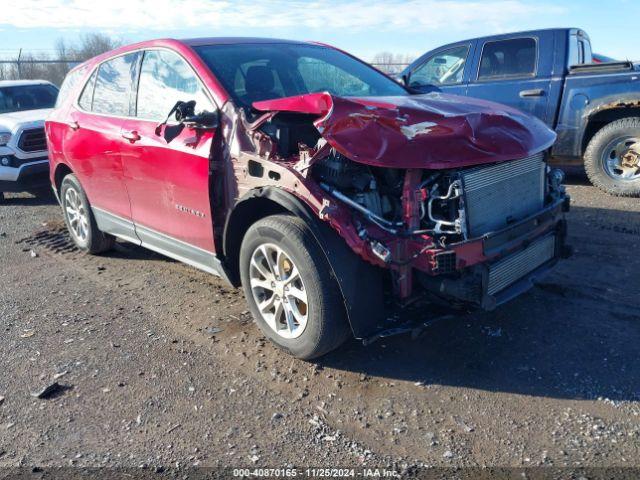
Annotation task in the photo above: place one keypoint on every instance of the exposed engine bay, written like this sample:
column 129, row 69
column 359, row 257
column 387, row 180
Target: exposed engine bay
column 377, row 193
column 427, row 203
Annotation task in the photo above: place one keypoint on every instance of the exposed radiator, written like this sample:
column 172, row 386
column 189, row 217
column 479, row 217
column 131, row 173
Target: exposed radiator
column 500, row 194
column 510, row 269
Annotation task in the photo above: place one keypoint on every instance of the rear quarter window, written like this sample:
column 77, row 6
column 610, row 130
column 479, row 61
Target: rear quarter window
column 68, row 85
column 86, row 97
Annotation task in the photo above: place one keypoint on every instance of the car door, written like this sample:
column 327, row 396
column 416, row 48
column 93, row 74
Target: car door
column 511, row 72
column 166, row 167
column 445, row 70
column 92, row 144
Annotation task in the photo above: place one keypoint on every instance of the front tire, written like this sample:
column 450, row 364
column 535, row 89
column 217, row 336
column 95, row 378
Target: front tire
column 289, row 287
column 80, row 220
column 612, row 158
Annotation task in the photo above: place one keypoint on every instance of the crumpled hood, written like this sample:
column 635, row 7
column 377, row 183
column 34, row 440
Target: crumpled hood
column 433, row 130
column 11, row 121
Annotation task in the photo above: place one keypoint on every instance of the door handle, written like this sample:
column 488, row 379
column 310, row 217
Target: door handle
column 536, row 92
column 132, row 136
column 73, row 125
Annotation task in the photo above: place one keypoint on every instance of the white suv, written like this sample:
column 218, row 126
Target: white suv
column 24, row 105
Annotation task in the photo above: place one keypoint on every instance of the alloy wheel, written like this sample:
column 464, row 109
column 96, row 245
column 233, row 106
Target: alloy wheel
column 278, row 290
column 76, row 215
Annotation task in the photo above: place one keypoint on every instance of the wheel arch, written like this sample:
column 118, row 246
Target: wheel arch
column 604, row 116
column 360, row 283
column 61, row 171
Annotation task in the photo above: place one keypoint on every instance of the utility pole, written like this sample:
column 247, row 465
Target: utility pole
column 19, row 69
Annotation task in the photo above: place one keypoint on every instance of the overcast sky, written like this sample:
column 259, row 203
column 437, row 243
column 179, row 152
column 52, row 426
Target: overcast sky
column 363, row 27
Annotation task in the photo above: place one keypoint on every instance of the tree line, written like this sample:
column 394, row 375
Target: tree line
column 54, row 67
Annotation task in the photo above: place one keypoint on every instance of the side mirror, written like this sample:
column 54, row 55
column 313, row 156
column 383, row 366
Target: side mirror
column 183, row 110
column 185, row 115
column 203, row 120
column 405, row 79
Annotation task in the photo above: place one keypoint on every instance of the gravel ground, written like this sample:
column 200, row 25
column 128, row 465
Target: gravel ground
column 161, row 366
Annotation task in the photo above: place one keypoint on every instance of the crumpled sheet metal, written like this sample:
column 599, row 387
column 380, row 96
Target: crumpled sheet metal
column 431, row 131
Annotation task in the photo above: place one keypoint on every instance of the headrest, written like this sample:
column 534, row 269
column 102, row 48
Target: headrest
column 259, row 80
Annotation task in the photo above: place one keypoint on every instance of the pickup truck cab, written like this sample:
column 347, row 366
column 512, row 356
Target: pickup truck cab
column 24, row 105
column 320, row 185
column 593, row 107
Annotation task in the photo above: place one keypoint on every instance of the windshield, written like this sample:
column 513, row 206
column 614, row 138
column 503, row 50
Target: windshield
column 254, row 72
column 27, row 97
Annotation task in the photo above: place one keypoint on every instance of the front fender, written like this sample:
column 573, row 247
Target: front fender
column 360, row 283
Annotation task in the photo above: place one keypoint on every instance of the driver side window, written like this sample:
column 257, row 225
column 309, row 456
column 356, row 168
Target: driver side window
column 443, row 68
column 166, row 78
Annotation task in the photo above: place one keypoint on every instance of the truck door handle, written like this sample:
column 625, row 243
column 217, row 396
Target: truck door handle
column 73, row 125
column 536, row 92
column 132, row 136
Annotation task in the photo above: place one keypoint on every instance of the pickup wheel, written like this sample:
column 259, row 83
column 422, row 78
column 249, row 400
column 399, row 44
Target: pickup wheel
column 289, row 287
column 80, row 220
column 612, row 158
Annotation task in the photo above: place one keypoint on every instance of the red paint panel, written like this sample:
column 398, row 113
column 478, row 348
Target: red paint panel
column 421, row 131
column 168, row 181
column 93, row 151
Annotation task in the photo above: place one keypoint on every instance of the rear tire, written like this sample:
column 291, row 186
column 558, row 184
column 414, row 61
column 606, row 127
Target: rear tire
column 80, row 220
column 602, row 158
column 283, row 269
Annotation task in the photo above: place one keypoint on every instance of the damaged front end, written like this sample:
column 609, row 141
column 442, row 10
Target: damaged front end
column 451, row 195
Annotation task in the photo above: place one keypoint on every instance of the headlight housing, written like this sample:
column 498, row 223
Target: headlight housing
column 4, row 138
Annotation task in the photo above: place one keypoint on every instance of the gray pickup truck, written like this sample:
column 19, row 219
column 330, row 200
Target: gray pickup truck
column 593, row 107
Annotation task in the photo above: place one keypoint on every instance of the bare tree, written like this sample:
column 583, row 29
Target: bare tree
column 88, row 46
column 55, row 67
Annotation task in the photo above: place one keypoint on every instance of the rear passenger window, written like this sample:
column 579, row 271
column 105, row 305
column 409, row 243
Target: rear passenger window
column 508, row 58
column 112, row 92
column 165, row 78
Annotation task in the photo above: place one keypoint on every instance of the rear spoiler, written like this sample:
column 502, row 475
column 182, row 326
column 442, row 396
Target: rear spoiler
column 601, row 67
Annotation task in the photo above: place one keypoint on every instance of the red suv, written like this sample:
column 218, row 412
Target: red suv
column 316, row 182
